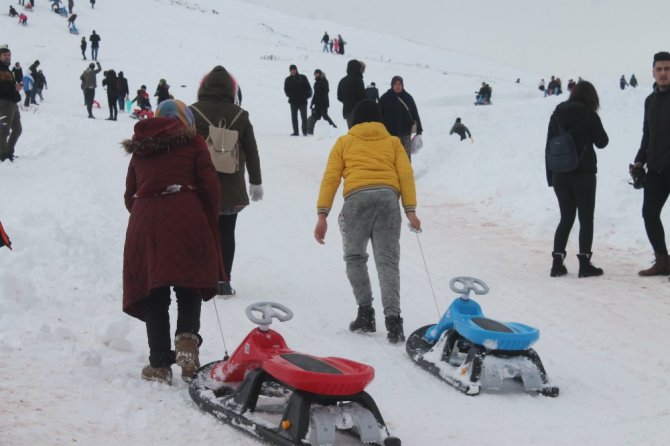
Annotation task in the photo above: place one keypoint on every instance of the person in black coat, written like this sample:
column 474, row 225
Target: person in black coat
column 320, row 102
column 351, row 89
column 460, row 129
column 17, row 71
column 325, row 39
column 83, row 45
column 162, row 91
column 400, row 114
column 112, row 93
column 372, row 93
column 576, row 190
column 95, row 45
column 122, row 90
column 297, row 90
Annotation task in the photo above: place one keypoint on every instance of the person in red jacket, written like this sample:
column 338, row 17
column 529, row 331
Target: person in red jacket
column 172, row 240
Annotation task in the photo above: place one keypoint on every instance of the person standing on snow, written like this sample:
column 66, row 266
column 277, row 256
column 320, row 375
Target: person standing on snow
column 376, row 172
column 622, row 82
column 372, row 92
column 162, row 92
column 29, row 90
column 320, row 102
column 216, row 100
column 95, row 44
column 171, row 188
column 399, row 114
column 10, row 126
column 576, row 190
column 70, row 6
column 122, row 91
column 351, row 89
column 297, row 90
column 83, row 47
column 92, row 4
column 341, row 43
column 633, row 81
column 89, row 83
column 40, row 84
column 110, row 82
column 17, row 71
column 654, row 152
column 325, row 39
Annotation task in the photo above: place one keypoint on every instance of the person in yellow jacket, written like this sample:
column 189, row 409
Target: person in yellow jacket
column 376, row 171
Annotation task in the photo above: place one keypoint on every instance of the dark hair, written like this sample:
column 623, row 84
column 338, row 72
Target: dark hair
column 663, row 55
column 586, row 93
column 366, row 111
column 458, row 119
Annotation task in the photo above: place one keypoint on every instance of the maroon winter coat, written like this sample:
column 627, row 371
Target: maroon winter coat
column 172, row 194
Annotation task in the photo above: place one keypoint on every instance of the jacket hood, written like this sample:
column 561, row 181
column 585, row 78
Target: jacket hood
column 354, row 67
column 157, row 135
column 218, row 84
column 369, row 131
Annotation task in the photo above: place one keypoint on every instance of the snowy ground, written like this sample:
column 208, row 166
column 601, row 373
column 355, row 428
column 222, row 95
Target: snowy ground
column 71, row 359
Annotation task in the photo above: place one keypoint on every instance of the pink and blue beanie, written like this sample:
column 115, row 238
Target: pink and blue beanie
column 174, row 108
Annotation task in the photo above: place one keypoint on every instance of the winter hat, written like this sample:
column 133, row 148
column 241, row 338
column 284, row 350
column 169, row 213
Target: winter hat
column 366, row 111
column 174, row 108
column 663, row 55
column 373, row 84
column 395, row 79
column 458, row 119
column 317, row 71
column 292, row 67
column 91, row 65
column 4, row 50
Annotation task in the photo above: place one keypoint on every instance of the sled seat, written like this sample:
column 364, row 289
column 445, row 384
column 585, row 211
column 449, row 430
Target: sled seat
column 494, row 335
column 322, row 376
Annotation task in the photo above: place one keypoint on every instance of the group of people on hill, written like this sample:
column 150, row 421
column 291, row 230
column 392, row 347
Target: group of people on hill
column 554, row 87
column 623, row 84
column 335, row 46
column 483, row 96
column 33, row 82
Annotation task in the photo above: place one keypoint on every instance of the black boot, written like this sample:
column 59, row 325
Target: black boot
column 365, row 321
column 394, row 328
column 586, row 268
column 557, row 268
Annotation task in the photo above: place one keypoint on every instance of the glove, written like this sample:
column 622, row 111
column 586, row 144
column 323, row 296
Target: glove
column 256, row 192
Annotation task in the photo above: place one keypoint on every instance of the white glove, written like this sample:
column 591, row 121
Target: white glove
column 256, row 192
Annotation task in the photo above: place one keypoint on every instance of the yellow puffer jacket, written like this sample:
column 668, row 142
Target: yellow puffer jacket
column 367, row 157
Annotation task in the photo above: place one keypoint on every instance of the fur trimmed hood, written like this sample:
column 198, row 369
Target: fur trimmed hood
column 157, row 135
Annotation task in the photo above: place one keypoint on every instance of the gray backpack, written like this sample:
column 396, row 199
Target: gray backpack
column 223, row 144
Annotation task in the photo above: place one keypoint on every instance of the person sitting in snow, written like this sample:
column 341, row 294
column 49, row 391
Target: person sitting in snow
column 12, row 11
column 460, row 129
column 142, row 98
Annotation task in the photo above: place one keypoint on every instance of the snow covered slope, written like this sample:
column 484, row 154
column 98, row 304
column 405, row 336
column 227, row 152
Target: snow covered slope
column 71, row 359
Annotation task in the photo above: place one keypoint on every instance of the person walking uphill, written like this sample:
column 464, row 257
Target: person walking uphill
column 654, row 152
column 351, row 89
column 88, row 84
column 10, row 126
column 376, row 171
column 576, row 189
column 172, row 240
column 297, row 90
column 399, row 114
column 216, row 101
column 320, row 101
column 110, row 81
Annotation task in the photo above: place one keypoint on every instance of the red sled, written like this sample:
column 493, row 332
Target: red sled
column 4, row 239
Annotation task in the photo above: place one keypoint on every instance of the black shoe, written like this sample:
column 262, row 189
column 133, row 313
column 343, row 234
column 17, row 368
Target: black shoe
column 365, row 321
column 109, row 119
column 586, row 268
column 395, row 333
column 557, row 268
column 225, row 289
column 91, row 117
column 295, row 134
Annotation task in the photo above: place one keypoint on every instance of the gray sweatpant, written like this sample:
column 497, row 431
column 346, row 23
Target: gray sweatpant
column 10, row 128
column 373, row 215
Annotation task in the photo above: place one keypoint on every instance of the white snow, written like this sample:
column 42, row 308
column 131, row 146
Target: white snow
column 71, row 359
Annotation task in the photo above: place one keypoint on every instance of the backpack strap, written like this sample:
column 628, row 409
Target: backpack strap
column 235, row 118
column 193, row 107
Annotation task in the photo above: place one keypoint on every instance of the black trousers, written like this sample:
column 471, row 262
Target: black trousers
column 89, row 97
column 656, row 192
column 227, row 230
column 303, row 117
column 113, row 111
column 157, row 319
column 576, row 193
column 319, row 113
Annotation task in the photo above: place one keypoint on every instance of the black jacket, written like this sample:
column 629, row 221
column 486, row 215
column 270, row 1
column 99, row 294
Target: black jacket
column 585, row 127
column 95, row 40
column 655, row 145
column 162, row 93
column 8, row 85
column 18, row 74
column 351, row 89
column 110, row 82
column 122, row 85
column 320, row 99
column 398, row 118
column 297, row 89
column 372, row 93
column 40, row 80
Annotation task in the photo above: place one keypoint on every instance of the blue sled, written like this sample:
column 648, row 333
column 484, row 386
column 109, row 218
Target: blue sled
column 470, row 351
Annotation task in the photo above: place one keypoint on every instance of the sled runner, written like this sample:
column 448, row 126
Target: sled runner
column 290, row 398
column 471, row 352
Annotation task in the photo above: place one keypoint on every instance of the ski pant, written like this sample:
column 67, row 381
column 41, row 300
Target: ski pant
column 319, row 113
column 227, row 230
column 656, row 192
column 373, row 215
column 576, row 194
column 11, row 130
column 89, row 97
column 303, row 117
column 94, row 52
column 157, row 319
column 113, row 111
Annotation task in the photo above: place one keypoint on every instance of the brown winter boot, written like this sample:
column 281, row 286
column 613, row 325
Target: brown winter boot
column 158, row 374
column 661, row 266
column 186, row 346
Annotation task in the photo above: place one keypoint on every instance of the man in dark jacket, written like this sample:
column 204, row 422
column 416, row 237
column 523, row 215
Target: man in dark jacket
column 320, row 102
column 95, row 45
column 298, row 90
column 460, row 129
column 10, row 125
column 110, row 82
column 372, row 92
column 655, row 153
column 351, row 89
column 400, row 114
column 33, row 68
column 122, row 91
column 40, row 84
column 216, row 101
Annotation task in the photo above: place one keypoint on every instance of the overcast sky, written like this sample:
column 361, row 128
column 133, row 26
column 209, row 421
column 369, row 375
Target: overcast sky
column 569, row 38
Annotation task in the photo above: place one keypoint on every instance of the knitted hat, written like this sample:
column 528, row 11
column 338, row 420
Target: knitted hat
column 366, row 111
column 395, row 79
column 173, row 108
column 663, row 55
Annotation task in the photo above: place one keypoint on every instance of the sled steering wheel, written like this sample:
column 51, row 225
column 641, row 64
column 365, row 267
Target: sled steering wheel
column 268, row 311
column 465, row 284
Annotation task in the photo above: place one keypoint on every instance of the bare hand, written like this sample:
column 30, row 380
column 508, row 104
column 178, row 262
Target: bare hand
column 414, row 220
column 320, row 229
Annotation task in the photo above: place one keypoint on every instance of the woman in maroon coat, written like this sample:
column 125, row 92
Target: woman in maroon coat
column 172, row 194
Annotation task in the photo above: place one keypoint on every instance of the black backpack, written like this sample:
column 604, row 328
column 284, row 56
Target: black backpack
column 561, row 154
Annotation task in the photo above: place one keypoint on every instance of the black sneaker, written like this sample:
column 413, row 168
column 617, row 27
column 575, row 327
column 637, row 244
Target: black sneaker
column 225, row 289
column 395, row 333
column 365, row 321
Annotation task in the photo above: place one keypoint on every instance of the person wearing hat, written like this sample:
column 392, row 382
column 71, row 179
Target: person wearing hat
column 376, row 173
column 10, row 126
column 399, row 114
column 297, row 90
column 320, row 102
column 654, row 152
column 172, row 239
column 88, row 85
column 351, row 89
